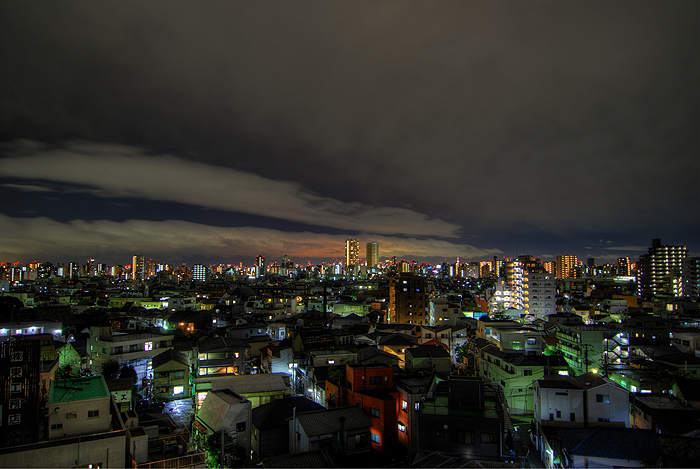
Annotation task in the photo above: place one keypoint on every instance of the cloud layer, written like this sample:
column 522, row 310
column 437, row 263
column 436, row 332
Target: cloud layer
column 121, row 171
column 176, row 240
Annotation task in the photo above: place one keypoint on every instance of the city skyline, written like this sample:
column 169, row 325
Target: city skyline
column 467, row 131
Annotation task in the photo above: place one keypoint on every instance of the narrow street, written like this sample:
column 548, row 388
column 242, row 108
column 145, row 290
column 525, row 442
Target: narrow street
column 524, row 449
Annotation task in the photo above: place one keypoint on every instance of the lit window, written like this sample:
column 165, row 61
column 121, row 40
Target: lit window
column 402, row 427
column 375, row 438
column 148, row 346
column 178, row 390
column 404, row 405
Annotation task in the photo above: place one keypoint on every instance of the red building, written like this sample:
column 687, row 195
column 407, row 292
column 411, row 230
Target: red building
column 371, row 387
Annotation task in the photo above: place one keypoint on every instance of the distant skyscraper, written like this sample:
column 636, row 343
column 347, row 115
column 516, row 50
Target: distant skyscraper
column 352, row 252
column 260, row 266
column 659, row 271
column 372, row 254
column 566, row 266
column 138, row 268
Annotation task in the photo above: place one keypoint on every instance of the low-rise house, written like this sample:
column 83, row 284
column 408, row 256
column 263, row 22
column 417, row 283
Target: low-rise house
column 344, row 430
column 585, row 400
column 78, row 407
column 428, row 357
column 222, row 355
column 259, row 389
column 604, row 447
column 270, row 435
column 227, row 411
column 171, row 375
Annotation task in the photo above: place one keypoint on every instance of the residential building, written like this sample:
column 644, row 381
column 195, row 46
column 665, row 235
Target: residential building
column 584, row 345
column 566, row 266
column 352, row 252
column 372, row 254
column 79, row 406
column 542, row 294
column 408, row 300
column 171, row 375
column 270, row 435
column 659, row 272
column 464, row 416
column 589, row 399
column 226, row 411
column 343, row 430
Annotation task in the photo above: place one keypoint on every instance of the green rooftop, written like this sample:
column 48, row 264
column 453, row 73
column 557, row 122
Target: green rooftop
column 78, row 389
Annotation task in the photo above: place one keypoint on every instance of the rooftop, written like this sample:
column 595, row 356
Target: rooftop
column 78, row 389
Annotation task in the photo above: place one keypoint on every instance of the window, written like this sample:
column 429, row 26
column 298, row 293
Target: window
column 148, row 346
column 56, row 426
column 71, row 415
column 488, row 437
column 600, row 419
column 373, row 412
column 178, row 390
column 531, row 340
column 375, row 380
column 527, row 372
column 179, row 374
column 465, row 437
column 416, row 406
column 133, row 348
column 603, row 398
column 240, row 427
column 375, row 438
column 572, row 416
column 558, row 414
column 238, row 355
column 118, row 350
column 402, row 427
column 404, row 405
column 93, row 414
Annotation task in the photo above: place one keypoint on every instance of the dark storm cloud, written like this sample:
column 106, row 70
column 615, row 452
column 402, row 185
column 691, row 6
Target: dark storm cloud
column 529, row 118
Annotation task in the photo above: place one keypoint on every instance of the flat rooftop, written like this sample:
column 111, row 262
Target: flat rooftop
column 78, row 389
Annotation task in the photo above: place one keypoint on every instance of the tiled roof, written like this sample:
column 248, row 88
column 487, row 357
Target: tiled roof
column 275, row 413
column 308, row 459
column 322, row 422
column 611, row 442
column 398, row 338
column 428, row 351
column 168, row 355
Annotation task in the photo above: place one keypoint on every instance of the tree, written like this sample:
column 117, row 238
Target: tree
column 128, row 372
column 66, row 371
column 110, row 369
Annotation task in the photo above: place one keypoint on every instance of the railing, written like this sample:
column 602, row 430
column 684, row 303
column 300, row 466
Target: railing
column 189, row 460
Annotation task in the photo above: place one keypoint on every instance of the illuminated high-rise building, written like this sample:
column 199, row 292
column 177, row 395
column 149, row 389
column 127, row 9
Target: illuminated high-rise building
column 200, row 272
column 691, row 278
column 352, row 252
column 566, row 266
column 372, row 254
column 259, row 266
column 138, row 268
column 659, row 272
column 624, row 267
column 408, row 301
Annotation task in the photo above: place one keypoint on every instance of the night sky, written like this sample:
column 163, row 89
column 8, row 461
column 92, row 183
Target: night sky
column 214, row 131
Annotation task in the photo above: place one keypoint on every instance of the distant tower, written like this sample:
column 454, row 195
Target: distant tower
column 259, row 266
column 352, row 252
column 138, row 268
column 372, row 254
